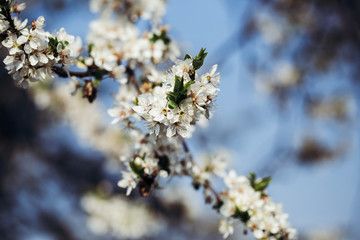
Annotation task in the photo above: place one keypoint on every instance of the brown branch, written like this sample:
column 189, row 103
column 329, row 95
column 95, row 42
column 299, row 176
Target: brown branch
column 132, row 79
column 61, row 72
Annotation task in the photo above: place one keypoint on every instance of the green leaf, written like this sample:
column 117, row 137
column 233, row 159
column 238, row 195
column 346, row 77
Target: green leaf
column 172, row 104
column 162, row 36
column 188, row 84
column 262, row 184
column 242, row 215
column 198, row 60
column 179, row 84
column 252, row 178
column 53, row 42
column 187, row 56
column 91, row 47
column 99, row 73
column 170, row 97
column 139, row 171
column 179, row 93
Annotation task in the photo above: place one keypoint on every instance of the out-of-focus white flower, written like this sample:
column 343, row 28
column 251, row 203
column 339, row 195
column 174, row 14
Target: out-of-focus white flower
column 226, row 227
column 120, row 218
column 128, row 181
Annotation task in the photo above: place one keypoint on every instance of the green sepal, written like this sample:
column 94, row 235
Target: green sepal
column 143, row 157
column 139, row 171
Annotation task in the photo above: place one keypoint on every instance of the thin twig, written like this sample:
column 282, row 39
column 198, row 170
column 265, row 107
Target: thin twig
column 207, row 183
column 132, row 79
column 65, row 74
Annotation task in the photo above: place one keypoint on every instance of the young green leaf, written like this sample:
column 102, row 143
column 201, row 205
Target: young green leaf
column 198, row 60
column 188, row 84
column 187, row 56
column 136, row 169
column 172, row 104
column 242, row 215
column 179, row 84
column 162, row 36
column 262, row 184
column 252, row 178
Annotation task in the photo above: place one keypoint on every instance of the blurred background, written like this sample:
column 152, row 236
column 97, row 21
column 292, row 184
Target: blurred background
column 288, row 107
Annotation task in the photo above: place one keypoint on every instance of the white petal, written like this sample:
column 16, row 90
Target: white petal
column 43, row 58
column 116, row 120
column 213, row 69
column 14, row 50
column 22, row 39
column 40, row 21
column 8, row 60
column 33, row 60
column 113, row 112
column 128, row 191
column 27, row 49
column 8, row 42
column 157, row 129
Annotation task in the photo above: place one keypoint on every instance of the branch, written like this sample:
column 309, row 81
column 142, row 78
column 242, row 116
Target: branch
column 61, row 72
column 131, row 76
column 207, row 183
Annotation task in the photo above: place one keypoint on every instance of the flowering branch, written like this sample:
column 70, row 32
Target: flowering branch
column 171, row 104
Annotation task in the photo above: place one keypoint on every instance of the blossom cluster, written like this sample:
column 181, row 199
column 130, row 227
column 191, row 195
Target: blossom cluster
column 116, row 45
column 131, row 9
column 118, row 217
column 246, row 200
column 182, row 98
column 32, row 51
column 151, row 159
